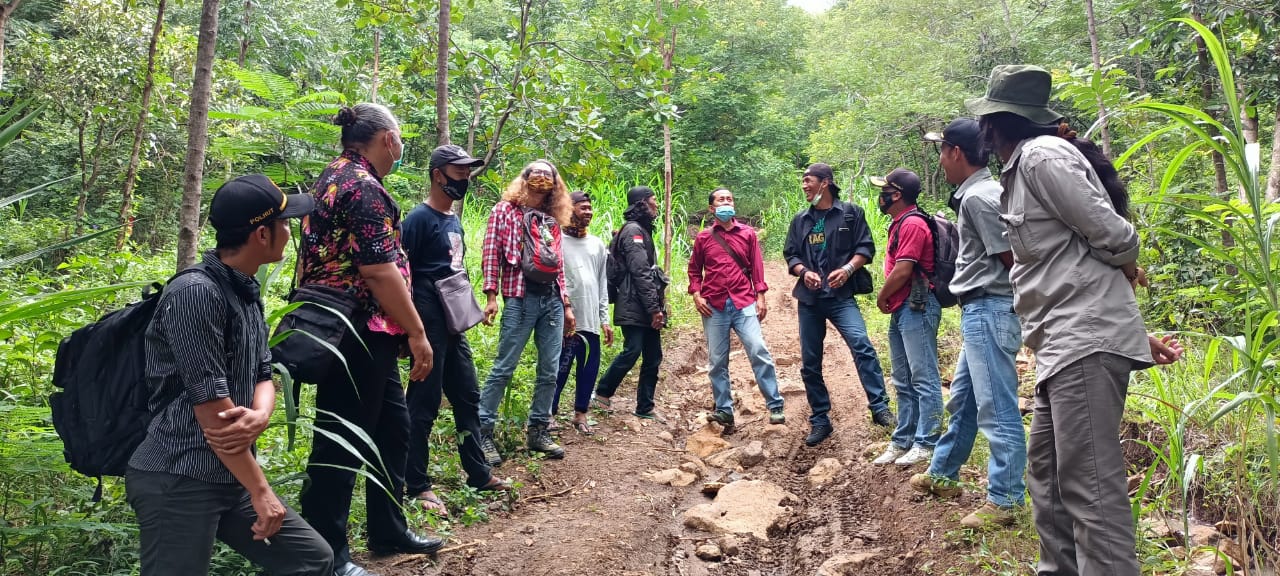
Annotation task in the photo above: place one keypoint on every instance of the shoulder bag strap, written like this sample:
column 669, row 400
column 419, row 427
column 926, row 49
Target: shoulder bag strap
column 746, row 270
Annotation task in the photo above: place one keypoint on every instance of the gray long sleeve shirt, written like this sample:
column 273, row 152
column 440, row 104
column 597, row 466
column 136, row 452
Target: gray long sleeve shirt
column 979, row 270
column 1068, row 246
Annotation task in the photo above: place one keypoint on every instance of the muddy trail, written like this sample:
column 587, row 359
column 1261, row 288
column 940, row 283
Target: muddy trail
column 603, row 511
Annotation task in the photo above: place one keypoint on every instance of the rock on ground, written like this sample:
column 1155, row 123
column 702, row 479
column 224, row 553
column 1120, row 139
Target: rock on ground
column 846, row 564
column 674, row 477
column 709, row 552
column 824, row 471
column 706, row 441
column 742, row 507
column 751, row 454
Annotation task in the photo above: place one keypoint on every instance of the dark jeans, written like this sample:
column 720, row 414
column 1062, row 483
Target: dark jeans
column 374, row 403
column 582, row 349
column 1076, row 470
column 847, row 319
column 637, row 341
column 179, row 518
column 453, row 374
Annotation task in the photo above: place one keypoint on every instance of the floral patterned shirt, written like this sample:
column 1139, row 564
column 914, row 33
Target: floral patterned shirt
column 355, row 223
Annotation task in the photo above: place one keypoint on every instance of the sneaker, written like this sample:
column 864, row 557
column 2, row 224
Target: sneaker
column 777, row 416
column 890, row 454
column 817, row 434
column 539, row 439
column 721, row 417
column 884, row 418
column 490, row 450
column 939, row 486
column 916, row 455
column 989, row 516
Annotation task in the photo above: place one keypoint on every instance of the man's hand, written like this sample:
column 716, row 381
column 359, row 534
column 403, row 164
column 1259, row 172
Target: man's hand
column 608, row 335
column 837, row 277
column 490, row 310
column 244, row 425
column 658, row 321
column 270, row 514
column 701, row 304
column 762, row 308
column 812, row 280
column 570, row 321
column 882, row 302
column 423, row 357
column 1165, row 350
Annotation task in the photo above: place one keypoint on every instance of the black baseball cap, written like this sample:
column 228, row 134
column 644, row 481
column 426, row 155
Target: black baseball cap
column 963, row 133
column 255, row 200
column 823, row 172
column 452, row 154
column 905, row 181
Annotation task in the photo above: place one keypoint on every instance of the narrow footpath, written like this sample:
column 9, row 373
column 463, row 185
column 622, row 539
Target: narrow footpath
column 629, row 500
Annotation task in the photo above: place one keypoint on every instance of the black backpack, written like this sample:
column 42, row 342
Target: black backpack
column 101, row 412
column 615, row 268
column 946, row 247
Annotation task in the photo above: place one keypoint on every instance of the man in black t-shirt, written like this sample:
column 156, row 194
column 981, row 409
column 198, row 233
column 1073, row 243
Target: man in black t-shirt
column 433, row 238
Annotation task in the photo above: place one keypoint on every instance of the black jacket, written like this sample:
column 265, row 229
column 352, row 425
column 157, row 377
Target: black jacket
column 639, row 295
column 847, row 234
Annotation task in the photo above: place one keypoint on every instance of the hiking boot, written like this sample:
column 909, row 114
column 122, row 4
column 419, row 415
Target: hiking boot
column 722, row 418
column 817, row 434
column 890, row 454
column 939, row 486
column 915, row 455
column 777, row 416
column 539, row 440
column 490, row 450
column 990, row 516
column 884, row 418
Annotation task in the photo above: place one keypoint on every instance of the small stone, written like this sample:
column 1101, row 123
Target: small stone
column 1202, row 564
column 528, row 541
column 729, row 544
column 752, row 454
column 691, row 468
column 706, row 441
column 498, row 535
column 728, row 459
column 632, row 424
column 709, row 552
column 712, row 487
column 874, row 449
column 666, row 437
column 1155, row 529
column 846, row 564
column 673, row 477
column 824, row 471
column 776, row 431
column 1204, row 535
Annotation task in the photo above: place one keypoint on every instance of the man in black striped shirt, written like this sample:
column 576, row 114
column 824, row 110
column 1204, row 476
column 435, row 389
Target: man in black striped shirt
column 195, row 478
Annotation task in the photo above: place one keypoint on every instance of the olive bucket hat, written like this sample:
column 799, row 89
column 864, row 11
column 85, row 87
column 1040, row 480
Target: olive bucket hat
column 1021, row 89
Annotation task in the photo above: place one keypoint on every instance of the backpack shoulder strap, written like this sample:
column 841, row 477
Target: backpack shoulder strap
column 745, row 268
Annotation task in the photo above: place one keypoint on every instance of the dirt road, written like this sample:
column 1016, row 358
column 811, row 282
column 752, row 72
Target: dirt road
column 597, row 513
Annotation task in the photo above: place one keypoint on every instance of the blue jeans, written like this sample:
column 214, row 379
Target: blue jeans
column 747, row 325
column 541, row 315
column 913, row 349
column 847, row 319
column 581, row 349
column 984, row 396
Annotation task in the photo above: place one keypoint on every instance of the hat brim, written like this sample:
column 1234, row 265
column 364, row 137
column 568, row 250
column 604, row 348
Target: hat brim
column 877, row 181
column 934, row 137
column 981, row 106
column 297, row 206
column 472, row 162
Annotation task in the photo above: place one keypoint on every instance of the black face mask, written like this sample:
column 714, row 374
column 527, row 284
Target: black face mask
column 954, row 203
column 455, row 189
column 886, row 200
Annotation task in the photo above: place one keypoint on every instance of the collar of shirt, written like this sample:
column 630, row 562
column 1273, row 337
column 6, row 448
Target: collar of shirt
column 363, row 162
column 1013, row 158
column 733, row 226
column 244, row 285
column 982, row 175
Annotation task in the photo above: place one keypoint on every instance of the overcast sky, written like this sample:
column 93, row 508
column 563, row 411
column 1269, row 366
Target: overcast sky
column 812, row 5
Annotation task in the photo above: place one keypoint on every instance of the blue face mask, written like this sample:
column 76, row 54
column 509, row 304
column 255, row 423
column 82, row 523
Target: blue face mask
column 395, row 164
column 724, row 213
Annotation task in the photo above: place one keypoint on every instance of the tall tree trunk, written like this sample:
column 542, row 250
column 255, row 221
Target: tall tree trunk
column 1249, row 125
column 442, row 76
column 668, row 55
column 517, row 76
column 377, row 63
column 6, row 11
column 244, row 32
column 126, row 193
column 197, row 136
column 1097, row 65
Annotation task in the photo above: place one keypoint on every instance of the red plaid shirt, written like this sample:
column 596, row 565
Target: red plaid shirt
column 500, row 260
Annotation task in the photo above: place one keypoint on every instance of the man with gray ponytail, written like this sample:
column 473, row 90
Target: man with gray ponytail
column 351, row 242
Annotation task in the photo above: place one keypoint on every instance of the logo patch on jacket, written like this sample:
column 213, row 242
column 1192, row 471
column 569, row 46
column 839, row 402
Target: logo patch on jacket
column 638, row 239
